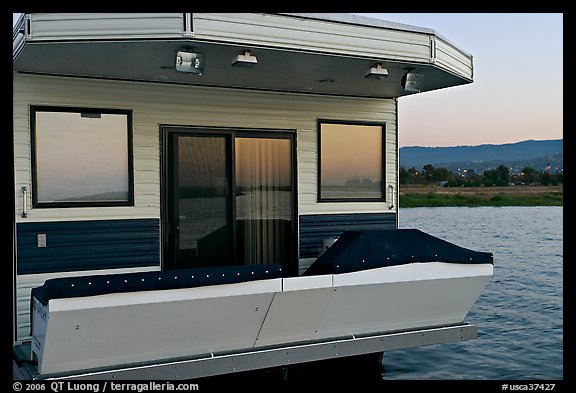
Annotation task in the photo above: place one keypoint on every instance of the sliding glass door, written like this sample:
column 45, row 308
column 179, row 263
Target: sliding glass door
column 229, row 198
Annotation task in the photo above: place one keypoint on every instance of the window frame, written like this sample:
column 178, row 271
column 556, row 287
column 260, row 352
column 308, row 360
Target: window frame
column 382, row 125
column 36, row 204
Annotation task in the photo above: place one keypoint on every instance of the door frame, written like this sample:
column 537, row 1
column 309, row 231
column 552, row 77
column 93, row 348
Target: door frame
column 290, row 268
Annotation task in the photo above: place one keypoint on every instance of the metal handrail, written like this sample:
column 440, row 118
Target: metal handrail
column 24, row 202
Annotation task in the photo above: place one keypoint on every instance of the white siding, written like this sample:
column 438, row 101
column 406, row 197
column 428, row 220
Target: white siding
column 105, row 26
column 312, row 35
column 453, row 59
column 155, row 104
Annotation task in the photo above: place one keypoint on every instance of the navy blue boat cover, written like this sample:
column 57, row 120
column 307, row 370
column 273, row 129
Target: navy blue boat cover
column 361, row 250
column 58, row 288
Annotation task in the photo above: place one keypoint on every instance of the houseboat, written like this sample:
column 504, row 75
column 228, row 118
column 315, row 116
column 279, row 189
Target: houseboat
column 198, row 194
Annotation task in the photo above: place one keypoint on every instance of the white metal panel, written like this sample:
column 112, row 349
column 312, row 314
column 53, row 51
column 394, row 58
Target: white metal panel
column 376, row 300
column 412, row 272
column 154, row 104
column 99, row 337
column 359, row 309
column 312, row 35
column 105, row 25
column 25, row 283
column 452, row 59
column 306, row 282
column 295, row 316
column 39, row 327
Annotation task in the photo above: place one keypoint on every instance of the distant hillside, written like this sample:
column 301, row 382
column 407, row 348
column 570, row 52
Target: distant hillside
column 536, row 154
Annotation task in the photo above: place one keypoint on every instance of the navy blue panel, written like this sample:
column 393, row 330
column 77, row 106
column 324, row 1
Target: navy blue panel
column 362, row 250
column 59, row 288
column 88, row 245
column 314, row 228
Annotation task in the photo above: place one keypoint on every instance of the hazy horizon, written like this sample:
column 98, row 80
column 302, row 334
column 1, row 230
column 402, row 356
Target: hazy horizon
column 489, row 143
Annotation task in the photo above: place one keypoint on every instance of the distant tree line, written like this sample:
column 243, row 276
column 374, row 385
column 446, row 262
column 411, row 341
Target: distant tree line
column 501, row 176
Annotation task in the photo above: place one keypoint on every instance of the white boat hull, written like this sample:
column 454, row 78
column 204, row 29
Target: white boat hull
column 108, row 330
column 376, row 300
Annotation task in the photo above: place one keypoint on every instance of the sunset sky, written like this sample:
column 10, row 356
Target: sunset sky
column 517, row 93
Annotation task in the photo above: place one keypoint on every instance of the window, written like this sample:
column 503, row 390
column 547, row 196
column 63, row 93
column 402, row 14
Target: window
column 81, row 157
column 351, row 161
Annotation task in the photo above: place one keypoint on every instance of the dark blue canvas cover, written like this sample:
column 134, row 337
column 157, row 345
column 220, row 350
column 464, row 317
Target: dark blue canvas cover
column 361, row 250
column 58, row 288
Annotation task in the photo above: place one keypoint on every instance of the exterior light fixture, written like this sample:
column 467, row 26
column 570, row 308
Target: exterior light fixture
column 377, row 72
column 412, row 82
column 190, row 62
column 245, row 60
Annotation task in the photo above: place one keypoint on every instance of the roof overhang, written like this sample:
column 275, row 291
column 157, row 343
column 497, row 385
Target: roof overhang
column 312, row 53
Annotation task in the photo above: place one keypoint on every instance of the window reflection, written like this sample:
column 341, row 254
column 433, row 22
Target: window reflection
column 203, row 197
column 81, row 158
column 350, row 161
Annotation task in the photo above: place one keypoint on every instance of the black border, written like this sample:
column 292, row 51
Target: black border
column 319, row 123
column 42, row 205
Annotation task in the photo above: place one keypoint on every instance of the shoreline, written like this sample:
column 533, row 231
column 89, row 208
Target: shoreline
column 435, row 196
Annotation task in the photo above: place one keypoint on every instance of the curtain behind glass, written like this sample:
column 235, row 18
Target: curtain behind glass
column 263, row 199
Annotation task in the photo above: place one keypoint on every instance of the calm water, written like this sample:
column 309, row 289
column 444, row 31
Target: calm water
column 519, row 315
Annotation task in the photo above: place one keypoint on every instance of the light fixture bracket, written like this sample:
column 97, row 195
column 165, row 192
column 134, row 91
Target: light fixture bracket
column 245, row 60
column 377, row 71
